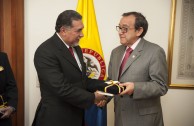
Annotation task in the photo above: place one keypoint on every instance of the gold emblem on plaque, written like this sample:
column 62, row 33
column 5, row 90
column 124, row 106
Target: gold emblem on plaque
column 1, row 68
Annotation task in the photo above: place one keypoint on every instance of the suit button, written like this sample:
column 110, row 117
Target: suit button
column 121, row 96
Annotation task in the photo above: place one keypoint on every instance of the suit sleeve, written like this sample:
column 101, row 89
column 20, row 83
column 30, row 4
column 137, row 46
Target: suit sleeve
column 157, row 85
column 11, row 88
column 52, row 80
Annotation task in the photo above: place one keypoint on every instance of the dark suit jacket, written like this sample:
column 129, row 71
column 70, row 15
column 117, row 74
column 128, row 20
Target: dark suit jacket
column 7, row 85
column 147, row 68
column 65, row 89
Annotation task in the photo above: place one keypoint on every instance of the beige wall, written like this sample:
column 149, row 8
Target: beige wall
column 40, row 17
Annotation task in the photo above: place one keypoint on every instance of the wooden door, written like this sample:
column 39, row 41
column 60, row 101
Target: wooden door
column 12, row 42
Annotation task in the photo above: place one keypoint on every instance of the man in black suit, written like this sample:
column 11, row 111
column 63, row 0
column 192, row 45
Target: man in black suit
column 65, row 89
column 8, row 91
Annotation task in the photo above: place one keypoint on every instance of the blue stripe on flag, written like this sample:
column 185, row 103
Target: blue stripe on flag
column 95, row 116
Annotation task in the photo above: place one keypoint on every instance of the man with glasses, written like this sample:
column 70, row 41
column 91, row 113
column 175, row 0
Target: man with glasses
column 141, row 67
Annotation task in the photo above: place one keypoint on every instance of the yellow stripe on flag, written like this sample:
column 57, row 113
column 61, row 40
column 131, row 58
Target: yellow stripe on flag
column 90, row 43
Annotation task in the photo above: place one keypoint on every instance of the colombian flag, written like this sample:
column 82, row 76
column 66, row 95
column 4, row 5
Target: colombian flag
column 93, row 56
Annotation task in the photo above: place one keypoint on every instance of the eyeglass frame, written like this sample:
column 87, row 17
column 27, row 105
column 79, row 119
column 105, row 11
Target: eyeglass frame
column 123, row 29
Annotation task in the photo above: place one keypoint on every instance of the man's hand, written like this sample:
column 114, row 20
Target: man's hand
column 102, row 103
column 6, row 111
column 99, row 99
column 129, row 88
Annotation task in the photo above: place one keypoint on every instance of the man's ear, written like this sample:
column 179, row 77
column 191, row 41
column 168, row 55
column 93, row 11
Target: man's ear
column 139, row 31
column 62, row 29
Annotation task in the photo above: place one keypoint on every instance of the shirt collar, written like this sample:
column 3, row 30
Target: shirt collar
column 135, row 44
column 62, row 40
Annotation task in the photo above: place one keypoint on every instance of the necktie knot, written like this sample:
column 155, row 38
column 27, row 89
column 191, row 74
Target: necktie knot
column 129, row 50
column 71, row 50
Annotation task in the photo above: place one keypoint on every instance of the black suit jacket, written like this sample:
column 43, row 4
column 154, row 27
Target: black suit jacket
column 65, row 89
column 8, row 86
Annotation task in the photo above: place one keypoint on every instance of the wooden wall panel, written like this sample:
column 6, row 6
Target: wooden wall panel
column 12, row 42
column 1, row 24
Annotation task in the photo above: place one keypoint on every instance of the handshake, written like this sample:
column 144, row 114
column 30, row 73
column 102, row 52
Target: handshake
column 109, row 88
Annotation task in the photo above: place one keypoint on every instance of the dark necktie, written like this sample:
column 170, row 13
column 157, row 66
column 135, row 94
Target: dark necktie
column 71, row 50
column 127, row 54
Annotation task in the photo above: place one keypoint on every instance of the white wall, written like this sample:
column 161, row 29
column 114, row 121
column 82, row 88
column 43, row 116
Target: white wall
column 40, row 17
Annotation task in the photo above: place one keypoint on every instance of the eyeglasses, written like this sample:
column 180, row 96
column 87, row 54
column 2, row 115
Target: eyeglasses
column 123, row 29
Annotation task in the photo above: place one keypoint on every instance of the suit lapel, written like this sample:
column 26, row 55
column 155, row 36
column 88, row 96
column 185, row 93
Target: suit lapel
column 65, row 51
column 80, row 56
column 79, row 53
column 119, row 56
column 134, row 55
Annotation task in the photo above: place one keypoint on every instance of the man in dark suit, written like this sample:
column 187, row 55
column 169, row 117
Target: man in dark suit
column 142, row 66
column 8, row 91
column 65, row 89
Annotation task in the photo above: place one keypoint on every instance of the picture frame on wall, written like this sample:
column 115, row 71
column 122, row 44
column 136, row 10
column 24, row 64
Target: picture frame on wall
column 181, row 44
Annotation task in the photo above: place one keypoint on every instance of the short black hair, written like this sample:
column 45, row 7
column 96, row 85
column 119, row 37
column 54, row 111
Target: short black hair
column 65, row 19
column 140, row 21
